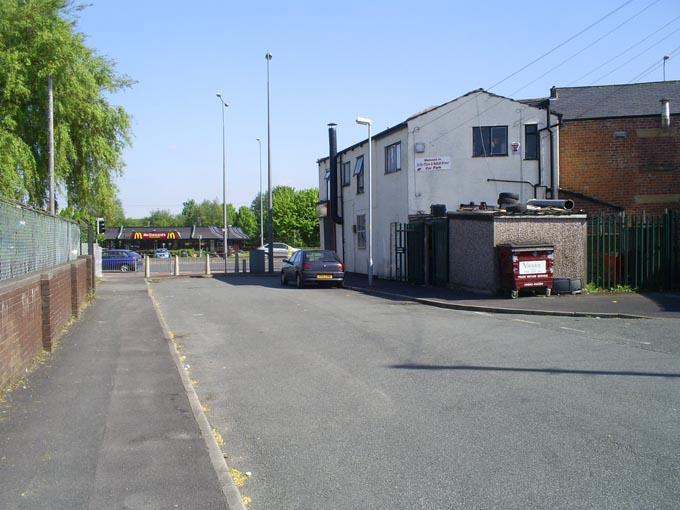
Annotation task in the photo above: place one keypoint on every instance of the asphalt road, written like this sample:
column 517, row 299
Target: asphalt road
column 336, row 399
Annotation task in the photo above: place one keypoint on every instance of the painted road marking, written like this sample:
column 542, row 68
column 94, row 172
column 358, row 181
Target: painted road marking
column 525, row 321
column 572, row 329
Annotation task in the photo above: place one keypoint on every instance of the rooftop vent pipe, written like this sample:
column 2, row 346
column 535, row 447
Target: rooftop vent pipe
column 333, row 168
column 558, row 204
column 665, row 113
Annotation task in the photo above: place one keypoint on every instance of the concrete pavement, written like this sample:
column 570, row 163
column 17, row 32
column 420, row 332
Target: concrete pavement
column 630, row 305
column 105, row 422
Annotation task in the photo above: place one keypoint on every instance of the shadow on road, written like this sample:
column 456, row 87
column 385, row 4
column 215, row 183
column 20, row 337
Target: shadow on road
column 477, row 368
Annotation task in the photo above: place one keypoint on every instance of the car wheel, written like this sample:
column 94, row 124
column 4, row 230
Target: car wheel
column 124, row 268
column 298, row 281
column 283, row 278
column 505, row 194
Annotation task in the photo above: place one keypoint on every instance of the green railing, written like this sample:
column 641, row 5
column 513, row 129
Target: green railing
column 639, row 251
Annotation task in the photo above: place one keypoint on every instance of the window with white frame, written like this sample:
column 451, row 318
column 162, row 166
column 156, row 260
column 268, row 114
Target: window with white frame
column 393, row 158
column 359, row 172
column 346, row 173
column 361, row 231
column 489, row 141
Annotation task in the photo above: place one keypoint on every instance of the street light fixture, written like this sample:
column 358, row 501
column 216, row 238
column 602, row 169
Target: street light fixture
column 259, row 144
column 270, row 230
column 224, row 106
column 367, row 122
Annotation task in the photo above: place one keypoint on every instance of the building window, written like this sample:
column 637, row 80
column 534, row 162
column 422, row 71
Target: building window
column 531, row 141
column 361, row 231
column 393, row 158
column 346, row 173
column 489, row 141
column 359, row 172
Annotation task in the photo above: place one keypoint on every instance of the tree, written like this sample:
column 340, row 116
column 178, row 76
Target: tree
column 294, row 212
column 37, row 40
column 246, row 220
column 162, row 218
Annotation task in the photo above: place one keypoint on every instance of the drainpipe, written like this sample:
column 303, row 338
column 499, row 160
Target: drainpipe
column 342, row 204
column 553, row 184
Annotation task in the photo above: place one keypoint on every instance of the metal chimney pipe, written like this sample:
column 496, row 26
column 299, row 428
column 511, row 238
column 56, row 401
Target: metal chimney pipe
column 333, row 169
column 665, row 113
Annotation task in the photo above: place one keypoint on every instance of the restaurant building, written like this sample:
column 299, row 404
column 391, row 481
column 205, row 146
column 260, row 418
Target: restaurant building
column 203, row 239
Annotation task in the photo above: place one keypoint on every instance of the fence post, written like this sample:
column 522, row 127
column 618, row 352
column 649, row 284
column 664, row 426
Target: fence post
column 176, row 271
column 207, row 264
column 244, row 265
column 147, row 267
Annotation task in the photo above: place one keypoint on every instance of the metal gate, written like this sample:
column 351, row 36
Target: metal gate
column 399, row 269
column 639, row 251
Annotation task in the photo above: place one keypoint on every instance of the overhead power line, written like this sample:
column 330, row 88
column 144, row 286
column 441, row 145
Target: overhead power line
column 552, row 50
column 635, row 57
column 561, row 44
column 635, row 45
column 573, row 56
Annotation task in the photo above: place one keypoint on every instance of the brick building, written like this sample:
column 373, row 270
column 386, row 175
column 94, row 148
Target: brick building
column 617, row 152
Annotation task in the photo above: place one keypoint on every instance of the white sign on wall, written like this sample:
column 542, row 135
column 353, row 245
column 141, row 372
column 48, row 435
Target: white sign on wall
column 433, row 163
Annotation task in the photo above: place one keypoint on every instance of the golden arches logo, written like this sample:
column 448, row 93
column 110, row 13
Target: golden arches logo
column 137, row 235
column 172, row 235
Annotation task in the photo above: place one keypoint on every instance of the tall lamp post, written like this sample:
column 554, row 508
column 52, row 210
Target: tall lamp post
column 367, row 122
column 665, row 58
column 270, row 231
column 259, row 143
column 223, row 106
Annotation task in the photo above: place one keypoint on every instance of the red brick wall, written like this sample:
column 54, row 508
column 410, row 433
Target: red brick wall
column 20, row 327
column 646, row 162
column 34, row 311
column 590, row 207
column 57, row 306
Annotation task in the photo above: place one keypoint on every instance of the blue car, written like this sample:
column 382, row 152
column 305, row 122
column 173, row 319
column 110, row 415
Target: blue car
column 162, row 253
column 120, row 260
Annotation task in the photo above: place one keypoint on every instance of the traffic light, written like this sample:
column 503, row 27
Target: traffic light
column 101, row 226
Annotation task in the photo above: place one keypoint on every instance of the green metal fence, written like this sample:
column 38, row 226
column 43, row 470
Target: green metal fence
column 640, row 251
column 32, row 240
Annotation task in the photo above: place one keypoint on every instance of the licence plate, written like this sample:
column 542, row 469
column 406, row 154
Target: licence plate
column 324, row 276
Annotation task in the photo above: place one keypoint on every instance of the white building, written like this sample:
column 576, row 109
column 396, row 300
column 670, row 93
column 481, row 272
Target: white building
column 466, row 150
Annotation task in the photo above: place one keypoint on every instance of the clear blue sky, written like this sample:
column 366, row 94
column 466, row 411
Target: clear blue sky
column 331, row 62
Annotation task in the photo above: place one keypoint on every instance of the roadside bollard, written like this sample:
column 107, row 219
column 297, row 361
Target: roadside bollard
column 207, row 264
column 147, row 267
column 176, row 273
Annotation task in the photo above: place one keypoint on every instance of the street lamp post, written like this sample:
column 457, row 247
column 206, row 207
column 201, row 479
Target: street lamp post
column 367, row 122
column 270, row 231
column 259, row 143
column 223, row 106
column 665, row 58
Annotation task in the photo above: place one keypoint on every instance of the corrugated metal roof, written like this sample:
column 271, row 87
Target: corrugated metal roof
column 606, row 101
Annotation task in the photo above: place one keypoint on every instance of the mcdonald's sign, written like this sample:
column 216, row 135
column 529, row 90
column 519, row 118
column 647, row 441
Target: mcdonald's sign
column 170, row 236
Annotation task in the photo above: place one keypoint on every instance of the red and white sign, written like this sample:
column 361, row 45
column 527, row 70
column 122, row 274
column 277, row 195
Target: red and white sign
column 155, row 235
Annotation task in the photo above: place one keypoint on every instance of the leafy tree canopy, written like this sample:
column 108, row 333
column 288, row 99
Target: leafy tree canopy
column 38, row 39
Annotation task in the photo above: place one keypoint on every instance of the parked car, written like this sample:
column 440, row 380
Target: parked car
column 280, row 249
column 313, row 266
column 161, row 253
column 120, row 260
